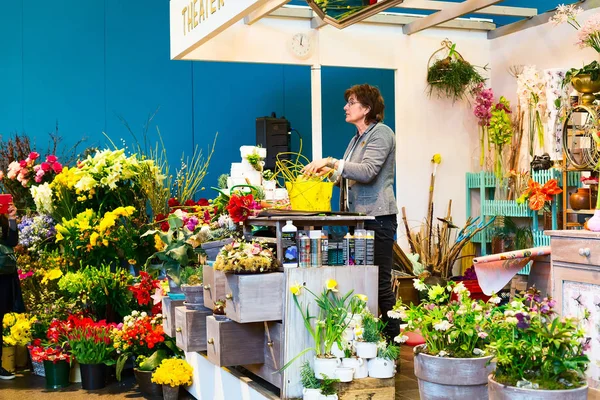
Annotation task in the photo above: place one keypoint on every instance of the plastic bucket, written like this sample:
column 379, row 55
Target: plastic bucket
column 310, row 195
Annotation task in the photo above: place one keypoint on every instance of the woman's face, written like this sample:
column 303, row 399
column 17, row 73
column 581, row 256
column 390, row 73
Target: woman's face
column 355, row 111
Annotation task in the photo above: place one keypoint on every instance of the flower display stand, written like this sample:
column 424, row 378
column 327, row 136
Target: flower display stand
column 214, row 286
column 168, row 307
column 190, row 328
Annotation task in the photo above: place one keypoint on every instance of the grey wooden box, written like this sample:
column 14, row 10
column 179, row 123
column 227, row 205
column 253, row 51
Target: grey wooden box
column 168, row 312
column 190, row 329
column 214, row 286
column 255, row 297
column 213, row 248
column 230, row 343
column 273, row 350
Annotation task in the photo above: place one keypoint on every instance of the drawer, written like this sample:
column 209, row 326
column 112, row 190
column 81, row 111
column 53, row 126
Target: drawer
column 168, row 313
column 575, row 250
column 273, row 348
column 229, row 343
column 190, row 329
column 214, row 286
column 255, row 297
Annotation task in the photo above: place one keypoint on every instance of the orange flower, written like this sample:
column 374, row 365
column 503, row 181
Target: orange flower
column 539, row 195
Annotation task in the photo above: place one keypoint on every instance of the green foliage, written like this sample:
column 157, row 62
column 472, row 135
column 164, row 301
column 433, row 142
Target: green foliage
column 307, row 377
column 390, row 351
column 593, row 69
column 534, row 347
column 191, row 275
column 328, row 386
column 372, row 328
column 453, row 77
column 222, row 181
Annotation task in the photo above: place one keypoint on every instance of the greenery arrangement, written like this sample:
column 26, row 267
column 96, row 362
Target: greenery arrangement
column 369, row 330
column 456, row 329
column 592, row 69
column 191, row 276
column 389, row 352
column 452, row 76
column 91, row 343
column 173, row 372
column 534, row 347
column 308, row 378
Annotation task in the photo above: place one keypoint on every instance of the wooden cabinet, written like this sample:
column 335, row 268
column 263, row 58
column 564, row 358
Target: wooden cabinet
column 576, row 288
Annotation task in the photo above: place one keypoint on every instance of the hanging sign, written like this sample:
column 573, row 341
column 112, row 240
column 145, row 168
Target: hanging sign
column 194, row 22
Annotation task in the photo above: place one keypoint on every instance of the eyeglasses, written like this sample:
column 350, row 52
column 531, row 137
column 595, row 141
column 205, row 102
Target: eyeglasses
column 350, row 103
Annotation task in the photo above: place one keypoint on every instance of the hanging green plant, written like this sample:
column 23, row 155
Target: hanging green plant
column 451, row 76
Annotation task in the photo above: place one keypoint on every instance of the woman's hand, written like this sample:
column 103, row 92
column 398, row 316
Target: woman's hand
column 12, row 211
column 316, row 167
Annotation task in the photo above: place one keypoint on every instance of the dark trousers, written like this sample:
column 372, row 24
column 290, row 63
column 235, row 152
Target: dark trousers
column 385, row 228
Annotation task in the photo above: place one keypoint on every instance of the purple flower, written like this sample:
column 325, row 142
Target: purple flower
column 523, row 321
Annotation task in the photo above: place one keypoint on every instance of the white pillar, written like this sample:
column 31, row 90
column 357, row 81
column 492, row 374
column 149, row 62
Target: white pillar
column 316, row 112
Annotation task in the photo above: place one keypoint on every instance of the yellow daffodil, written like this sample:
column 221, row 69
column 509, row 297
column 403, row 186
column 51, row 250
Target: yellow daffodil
column 362, row 297
column 296, row 289
column 331, row 284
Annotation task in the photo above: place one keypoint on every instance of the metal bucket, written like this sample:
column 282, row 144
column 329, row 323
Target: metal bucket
column 499, row 391
column 445, row 378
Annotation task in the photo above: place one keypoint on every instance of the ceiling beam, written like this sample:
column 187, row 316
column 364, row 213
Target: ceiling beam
column 317, row 22
column 535, row 21
column 264, row 10
column 458, row 10
column 491, row 10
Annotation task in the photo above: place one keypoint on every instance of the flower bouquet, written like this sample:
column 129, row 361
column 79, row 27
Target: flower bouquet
column 456, row 334
column 588, row 35
column 171, row 374
column 241, row 256
column 539, row 195
column 536, row 349
column 16, row 329
column 36, row 233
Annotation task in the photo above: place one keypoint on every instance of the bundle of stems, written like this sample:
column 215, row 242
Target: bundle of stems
column 517, row 119
column 439, row 246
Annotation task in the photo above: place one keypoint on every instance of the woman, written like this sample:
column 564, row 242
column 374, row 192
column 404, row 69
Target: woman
column 366, row 177
column 11, row 299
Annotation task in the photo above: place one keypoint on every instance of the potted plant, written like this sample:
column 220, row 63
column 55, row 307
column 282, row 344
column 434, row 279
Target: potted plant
column 452, row 76
column 585, row 80
column 455, row 333
column 171, row 374
column 359, row 365
column 537, row 353
column 384, row 365
column 311, row 385
column 92, row 346
column 16, row 333
column 191, row 286
column 241, row 256
column 368, row 336
column 57, row 364
column 328, row 388
column 142, row 337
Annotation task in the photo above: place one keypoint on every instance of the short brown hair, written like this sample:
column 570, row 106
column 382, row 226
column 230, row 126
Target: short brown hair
column 368, row 96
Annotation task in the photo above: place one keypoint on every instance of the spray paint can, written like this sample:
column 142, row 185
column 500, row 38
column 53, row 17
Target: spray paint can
column 303, row 250
column 316, row 252
column 370, row 247
column 360, row 247
column 348, row 249
column 324, row 247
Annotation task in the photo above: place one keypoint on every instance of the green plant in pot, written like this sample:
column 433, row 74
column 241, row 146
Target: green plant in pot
column 538, row 353
column 452, row 76
column 456, row 335
column 191, row 285
column 585, row 80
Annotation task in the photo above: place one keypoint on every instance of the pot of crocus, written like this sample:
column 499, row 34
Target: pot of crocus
column 92, row 346
column 384, row 365
column 452, row 364
column 538, row 354
column 327, row 327
column 172, row 373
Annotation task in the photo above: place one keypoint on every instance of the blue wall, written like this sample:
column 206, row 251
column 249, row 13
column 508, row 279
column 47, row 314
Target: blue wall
column 89, row 66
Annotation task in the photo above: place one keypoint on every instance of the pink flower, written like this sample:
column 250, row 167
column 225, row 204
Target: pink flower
column 51, row 159
column 33, row 155
column 45, row 167
column 23, row 163
column 57, row 167
column 1, row 175
column 255, row 249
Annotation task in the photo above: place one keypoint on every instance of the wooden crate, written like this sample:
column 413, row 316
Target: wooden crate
column 190, row 329
column 230, row 343
column 403, row 288
column 168, row 312
column 273, row 350
column 368, row 388
column 213, row 248
column 254, row 298
column 214, row 286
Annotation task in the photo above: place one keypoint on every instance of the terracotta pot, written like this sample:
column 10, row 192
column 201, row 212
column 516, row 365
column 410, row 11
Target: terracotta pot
column 452, row 378
column 580, row 200
column 498, row 391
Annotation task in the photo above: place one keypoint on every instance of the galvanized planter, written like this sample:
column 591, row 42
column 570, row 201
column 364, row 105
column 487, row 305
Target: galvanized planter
column 444, row 378
column 498, row 391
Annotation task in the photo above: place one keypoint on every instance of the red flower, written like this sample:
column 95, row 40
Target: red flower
column 189, row 203
column 57, row 167
column 173, row 202
column 240, row 207
column 203, row 203
column 33, row 155
column 46, row 167
column 51, row 159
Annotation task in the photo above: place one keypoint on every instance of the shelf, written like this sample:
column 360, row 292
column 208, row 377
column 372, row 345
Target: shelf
column 507, row 208
column 574, row 224
column 474, row 180
column 586, row 212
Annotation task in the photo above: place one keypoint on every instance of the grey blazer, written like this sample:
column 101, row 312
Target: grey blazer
column 368, row 175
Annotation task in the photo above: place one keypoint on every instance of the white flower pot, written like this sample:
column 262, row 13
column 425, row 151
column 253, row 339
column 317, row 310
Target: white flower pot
column 325, row 366
column 336, row 351
column 382, row 368
column 358, row 364
column 330, row 397
column 366, row 350
column 311, row 394
column 344, row 374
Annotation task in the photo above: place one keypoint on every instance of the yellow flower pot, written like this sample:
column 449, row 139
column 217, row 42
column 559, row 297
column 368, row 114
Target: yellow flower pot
column 8, row 358
column 21, row 356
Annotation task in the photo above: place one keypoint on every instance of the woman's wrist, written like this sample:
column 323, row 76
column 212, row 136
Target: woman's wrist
column 332, row 162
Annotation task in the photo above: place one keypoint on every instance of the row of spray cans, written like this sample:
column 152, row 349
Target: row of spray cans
column 314, row 248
